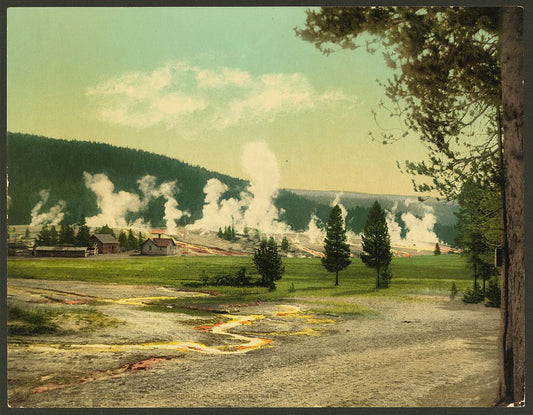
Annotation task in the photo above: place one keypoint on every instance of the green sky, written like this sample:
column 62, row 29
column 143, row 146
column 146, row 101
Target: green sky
column 197, row 84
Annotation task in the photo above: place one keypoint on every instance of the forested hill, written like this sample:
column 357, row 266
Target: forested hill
column 38, row 163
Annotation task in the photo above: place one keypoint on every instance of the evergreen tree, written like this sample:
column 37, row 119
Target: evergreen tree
column 436, row 251
column 27, row 233
column 336, row 249
column 268, row 263
column 43, row 237
column 494, row 295
column 228, row 234
column 140, row 239
column 376, row 242
column 123, row 241
column 66, row 234
column 479, row 221
column 285, row 244
column 105, row 229
column 132, row 240
column 83, row 234
column 54, row 235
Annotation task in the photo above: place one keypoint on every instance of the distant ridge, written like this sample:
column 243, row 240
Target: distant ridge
column 350, row 195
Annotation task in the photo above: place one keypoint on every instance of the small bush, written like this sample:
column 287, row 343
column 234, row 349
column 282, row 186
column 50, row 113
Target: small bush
column 292, row 288
column 28, row 321
column 473, row 295
column 493, row 296
column 453, row 291
column 239, row 279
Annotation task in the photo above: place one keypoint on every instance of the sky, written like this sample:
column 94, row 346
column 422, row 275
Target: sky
column 198, row 84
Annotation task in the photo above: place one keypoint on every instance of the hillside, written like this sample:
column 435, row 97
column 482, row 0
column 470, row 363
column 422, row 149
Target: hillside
column 38, row 163
column 75, row 177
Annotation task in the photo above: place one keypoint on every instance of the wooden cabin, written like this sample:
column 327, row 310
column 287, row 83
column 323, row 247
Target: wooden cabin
column 105, row 243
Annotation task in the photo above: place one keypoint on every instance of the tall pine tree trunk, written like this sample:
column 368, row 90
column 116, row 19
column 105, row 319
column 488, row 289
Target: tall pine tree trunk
column 377, row 276
column 337, row 277
column 513, row 273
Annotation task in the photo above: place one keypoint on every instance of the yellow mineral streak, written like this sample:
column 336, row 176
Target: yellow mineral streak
column 245, row 343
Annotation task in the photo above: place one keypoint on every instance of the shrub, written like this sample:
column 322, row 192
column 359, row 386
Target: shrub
column 473, row 295
column 292, row 288
column 239, row 279
column 29, row 321
column 453, row 291
column 493, row 296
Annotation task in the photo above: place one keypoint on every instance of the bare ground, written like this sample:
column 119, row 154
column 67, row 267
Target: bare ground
column 421, row 353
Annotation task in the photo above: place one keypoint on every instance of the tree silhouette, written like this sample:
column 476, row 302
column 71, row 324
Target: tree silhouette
column 336, row 249
column 268, row 263
column 376, row 242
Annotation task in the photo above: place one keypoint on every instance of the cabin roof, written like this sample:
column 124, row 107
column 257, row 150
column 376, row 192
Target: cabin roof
column 105, row 238
column 161, row 242
column 62, row 248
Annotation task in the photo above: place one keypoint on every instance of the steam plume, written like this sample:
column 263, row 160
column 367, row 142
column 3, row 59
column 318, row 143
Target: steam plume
column 419, row 230
column 337, row 201
column 315, row 234
column 113, row 206
column 172, row 213
column 53, row 217
column 255, row 208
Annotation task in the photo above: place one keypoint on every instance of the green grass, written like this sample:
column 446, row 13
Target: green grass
column 25, row 320
column 337, row 307
column 412, row 277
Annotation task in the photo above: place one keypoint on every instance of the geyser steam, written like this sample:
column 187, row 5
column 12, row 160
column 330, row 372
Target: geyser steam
column 418, row 229
column 255, row 208
column 114, row 206
column 54, row 216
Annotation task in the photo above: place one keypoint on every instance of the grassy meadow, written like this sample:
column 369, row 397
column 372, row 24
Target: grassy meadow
column 412, row 277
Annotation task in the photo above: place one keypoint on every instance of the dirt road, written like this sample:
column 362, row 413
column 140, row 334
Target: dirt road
column 419, row 353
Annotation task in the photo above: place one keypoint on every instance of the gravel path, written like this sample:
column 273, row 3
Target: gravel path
column 430, row 353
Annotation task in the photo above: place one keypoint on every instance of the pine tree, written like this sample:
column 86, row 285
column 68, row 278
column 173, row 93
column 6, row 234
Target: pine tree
column 336, row 249
column 132, row 240
column 66, row 234
column 54, row 236
column 436, row 251
column 123, row 241
column 83, row 234
column 106, row 230
column 43, row 238
column 268, row 263
column 285, row 244
column 376, row 242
